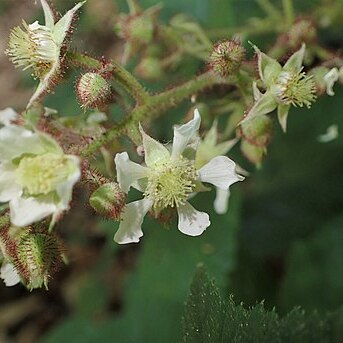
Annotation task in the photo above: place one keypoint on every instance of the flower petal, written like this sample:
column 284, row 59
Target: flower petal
column 264, row 105
column 7, row 115
column 65, row 189
column 282, row 115
column 154, row 151
column 191, row 221
column 15, row 141
column 127, row 171
column 48, row 15
column 9, row 274
column 220, row 171
column 221, row 201
column 295, row 62
column 183, row 134
column 130, row 230
column 330, row 78
column 9, row 189
column 25, row 211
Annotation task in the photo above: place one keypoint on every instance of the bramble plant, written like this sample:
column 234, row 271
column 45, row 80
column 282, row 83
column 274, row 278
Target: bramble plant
column 44, row 156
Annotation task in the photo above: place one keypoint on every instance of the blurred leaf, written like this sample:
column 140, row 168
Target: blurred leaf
column 314, row 276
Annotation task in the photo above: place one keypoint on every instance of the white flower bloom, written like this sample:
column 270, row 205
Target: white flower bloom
column 167, row 180
column 40, row 47
column 36, row 177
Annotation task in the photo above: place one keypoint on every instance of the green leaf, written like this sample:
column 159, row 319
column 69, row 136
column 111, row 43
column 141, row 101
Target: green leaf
column 210, row 318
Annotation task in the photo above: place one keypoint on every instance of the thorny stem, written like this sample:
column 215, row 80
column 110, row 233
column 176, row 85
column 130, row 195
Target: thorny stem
column 152, row 108
column 120, row 74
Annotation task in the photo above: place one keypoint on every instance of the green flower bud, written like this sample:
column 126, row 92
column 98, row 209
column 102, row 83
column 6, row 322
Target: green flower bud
column 150, row 68
column 226, row 57
column 108, row 200
column 302, row 31
column 39, row 256
column 93, row 90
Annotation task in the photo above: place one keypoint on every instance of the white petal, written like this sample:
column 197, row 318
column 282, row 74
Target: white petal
column 221, row 201
column 220, row 171
column 25, row 211
column 7, row 115
column 330, row 78
column 183, row 134
column 9, row 274
column 330, row 135
column 15, row 141
column 191, row 221
column 9, row 189
column 154, row 151
column 130, row 230
column 65, row 189
column 48, row 15
column 127, row 171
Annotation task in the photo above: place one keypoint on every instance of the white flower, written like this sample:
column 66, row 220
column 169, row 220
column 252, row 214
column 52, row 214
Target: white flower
column 40, row 47
column 167, row 180
column 36, row 177
column 207, row 149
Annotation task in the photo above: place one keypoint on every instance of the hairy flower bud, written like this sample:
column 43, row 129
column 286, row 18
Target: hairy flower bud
column 226, row 57
column 108, row 200
column 39, row 256
column 93, row 90
column 302, row 31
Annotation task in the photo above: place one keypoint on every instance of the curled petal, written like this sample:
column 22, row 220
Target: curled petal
column 9, row 274
column 130, row 230
column 191, row 221
column 330, row 78
column 221, row 201
column 25, row 211
column 220, row 171
column 183, row 134
column 154, row 151
column 127, row 171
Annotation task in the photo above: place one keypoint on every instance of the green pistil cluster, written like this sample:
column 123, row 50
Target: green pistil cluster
column 170, row 183
column 40, row 174
column 32, row 47
column 295, row 89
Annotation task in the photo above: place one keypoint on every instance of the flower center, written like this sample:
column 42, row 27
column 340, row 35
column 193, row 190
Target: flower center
column 170, row 183
column 40, row 174
column 33, row 47
column 295, row 89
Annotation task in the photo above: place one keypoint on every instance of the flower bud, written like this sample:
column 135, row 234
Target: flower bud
column 226, row 57
column 150, row 68
column 302, row 31
column 257, row 131
column 93, row 90
column 108, row 200
column 39, row 256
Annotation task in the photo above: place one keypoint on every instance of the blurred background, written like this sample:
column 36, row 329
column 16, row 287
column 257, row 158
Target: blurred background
column 281, row 240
